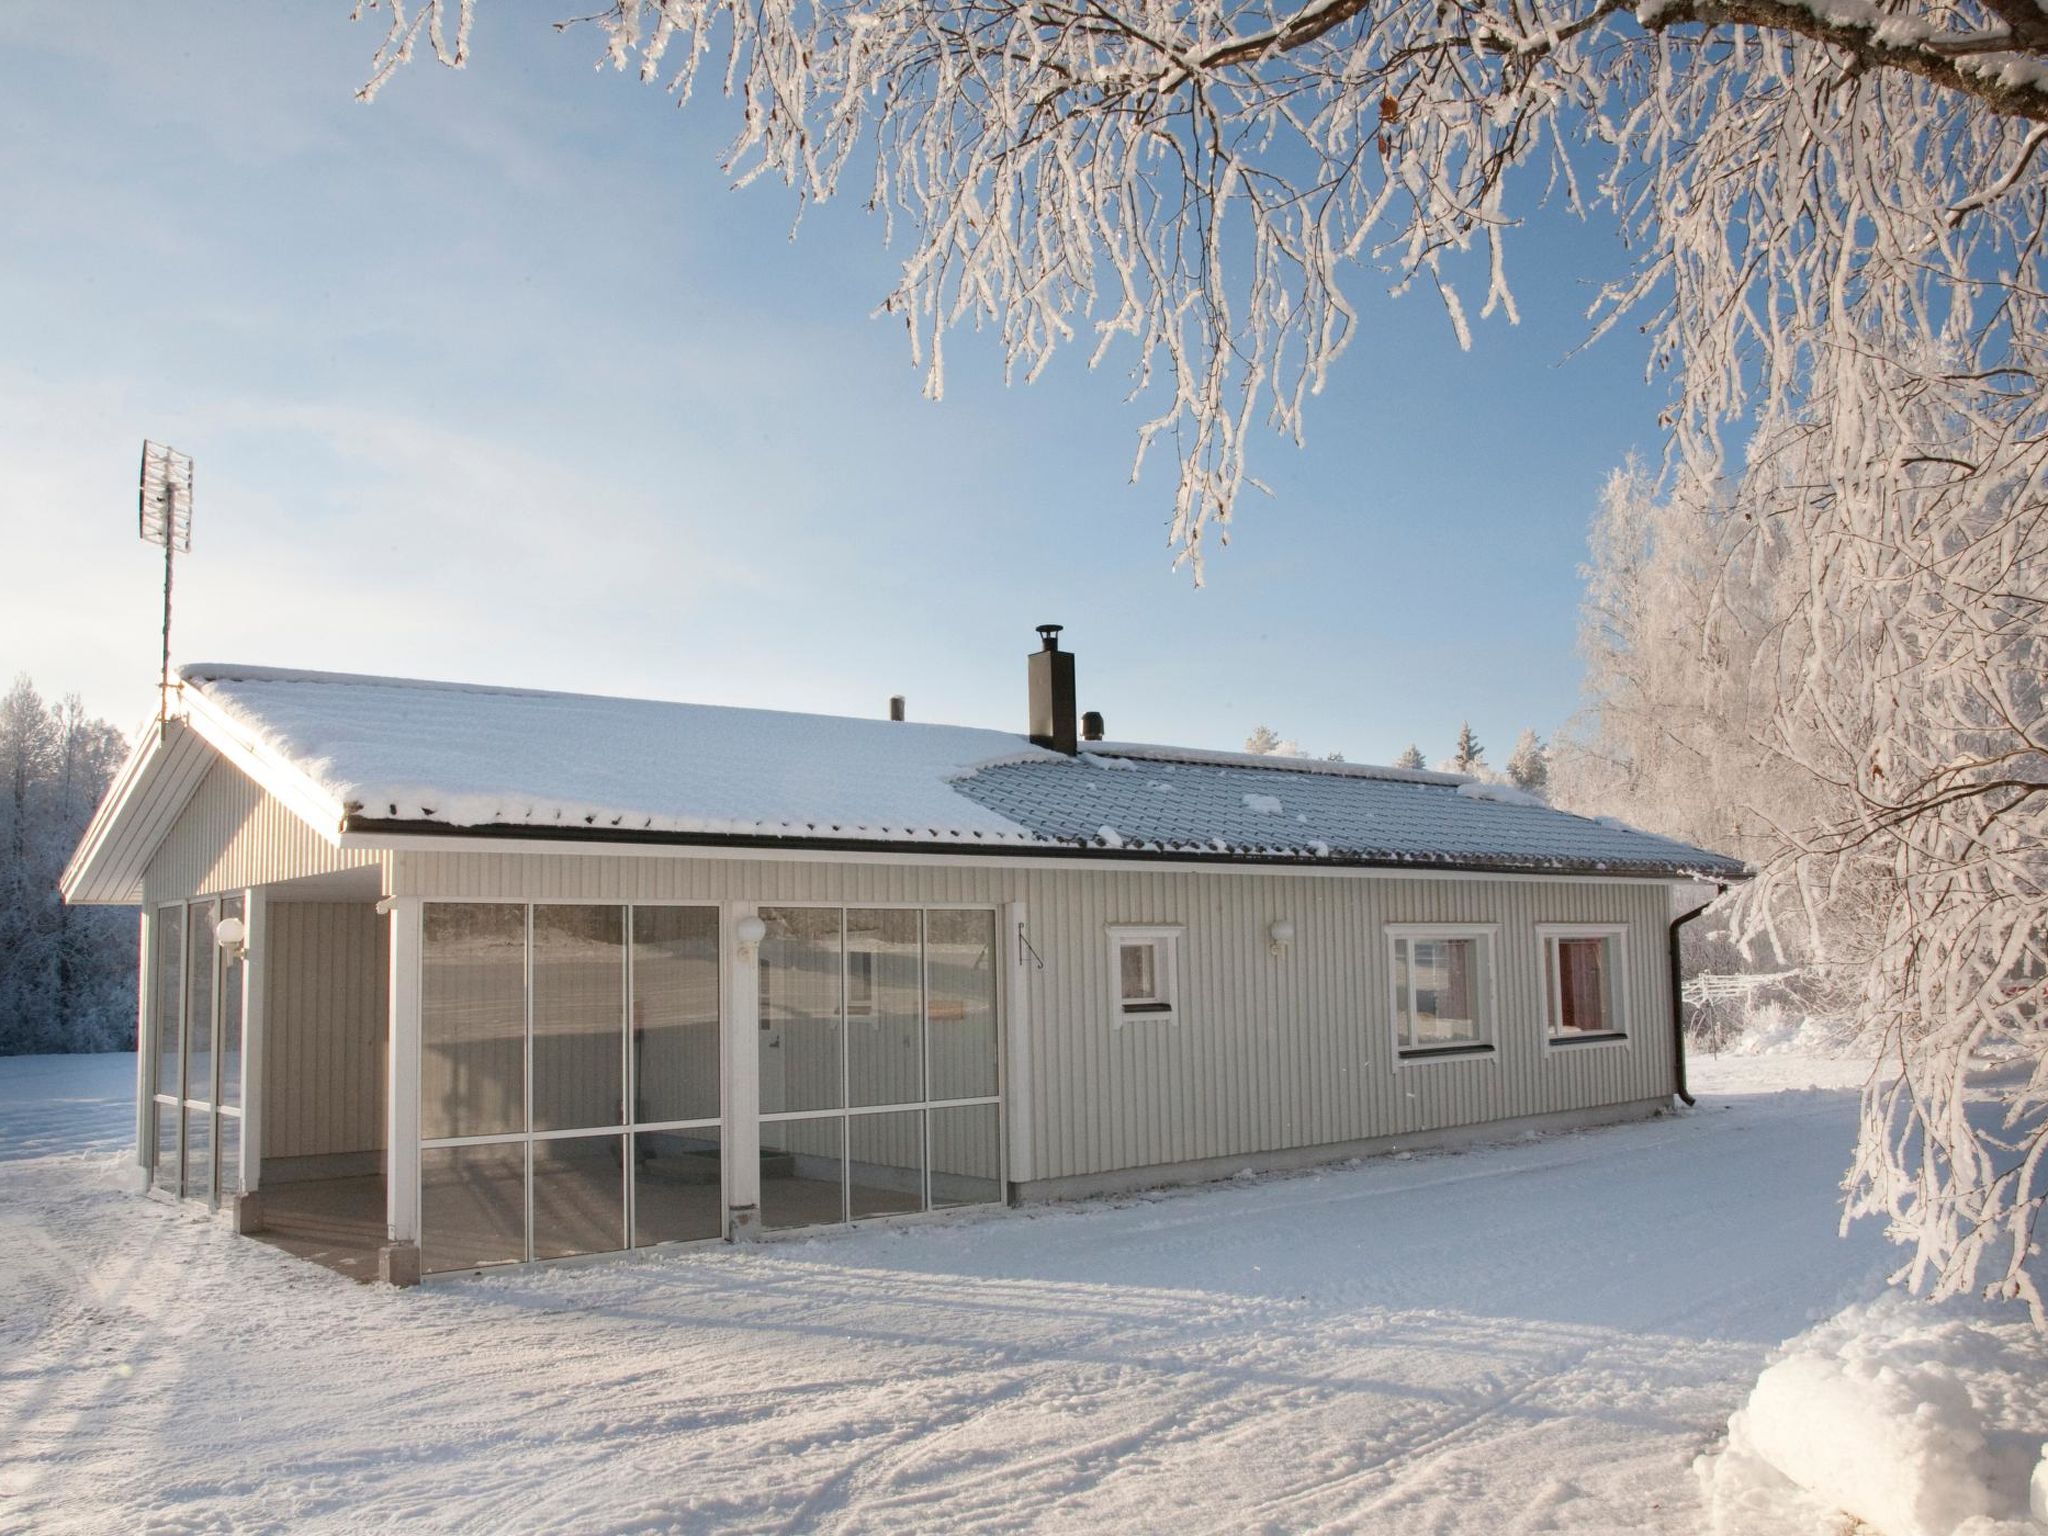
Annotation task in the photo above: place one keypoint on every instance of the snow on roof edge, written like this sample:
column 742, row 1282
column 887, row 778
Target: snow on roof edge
column 1154, row 752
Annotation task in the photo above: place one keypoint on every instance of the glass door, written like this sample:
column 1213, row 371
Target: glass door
column 196, row 1089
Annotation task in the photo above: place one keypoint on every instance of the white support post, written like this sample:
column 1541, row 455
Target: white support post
column 255, row 993
column 742, row 1053
column 1017, row 1039
column 399, row 1263
column 145, row 1052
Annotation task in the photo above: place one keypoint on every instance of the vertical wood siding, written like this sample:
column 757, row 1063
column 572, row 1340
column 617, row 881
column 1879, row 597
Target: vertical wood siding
column 1266, row 1053
column 232, row 834
column 325, row 1022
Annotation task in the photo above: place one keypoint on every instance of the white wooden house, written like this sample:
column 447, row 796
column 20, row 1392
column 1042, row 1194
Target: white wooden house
column 439, row 976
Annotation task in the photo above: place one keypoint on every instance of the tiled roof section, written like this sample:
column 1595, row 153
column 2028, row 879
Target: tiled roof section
column 1195, row 809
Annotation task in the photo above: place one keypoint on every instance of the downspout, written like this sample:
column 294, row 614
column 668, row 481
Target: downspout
column 1677, row 982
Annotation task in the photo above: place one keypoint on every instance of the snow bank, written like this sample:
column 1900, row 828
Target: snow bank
column 1916, row 1421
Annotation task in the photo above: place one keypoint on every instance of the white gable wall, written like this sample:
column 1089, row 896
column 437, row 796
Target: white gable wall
column 233, row 834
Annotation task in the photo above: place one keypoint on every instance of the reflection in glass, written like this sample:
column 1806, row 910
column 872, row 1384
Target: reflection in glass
column 675, row 1014
column 472, row 1206
column 885, row 1164
column 229, row 1152
column 579, row 1017
column 884, row 1007
column 579, row 1196
column 230, row 1021
column 165, row 1175
column 800, row 1029
column 802, row 1168
column 967, row 1166
column 199, row 952
column 198, row 1154
column 170, row 1002
column 961, row 966
column 677, row 1193
column 472, row 1020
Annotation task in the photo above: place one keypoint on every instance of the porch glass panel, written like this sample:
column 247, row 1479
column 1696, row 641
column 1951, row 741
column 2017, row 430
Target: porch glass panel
column 885, row 1164
column 200, row 951
column 961, row 964
column 169, row 1009
column 678, row 1191
column 675, row 1014
column 472, row 1206
column 579, row 1018
column 803, row 1168
column 800, row 1034
column 472, row 1020
column 230, row 1021
column 884, row 1007
column 967, row 1160
column 579, row 1196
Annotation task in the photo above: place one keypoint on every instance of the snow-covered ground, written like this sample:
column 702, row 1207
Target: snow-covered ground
column 1541, row 1335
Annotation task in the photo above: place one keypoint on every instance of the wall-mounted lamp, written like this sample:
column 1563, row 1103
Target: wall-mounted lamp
column 232, row 935
column 1281, row 933
column 749, row 931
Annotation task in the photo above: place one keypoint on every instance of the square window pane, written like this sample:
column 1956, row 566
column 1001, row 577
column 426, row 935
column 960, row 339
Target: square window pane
column 675, row 1014
column 579, row 1196
column 228, row 1144
column 169, row 1003
column 885, row 1164
column 199, row 961
column 472, row 1206
column 472, row 1021
column 967, row 1159
column 165, row 1175
column 803, row 1172
column 960, row 970
column 884, row 1007
column 579, row 1017
column 678, row 1194
column 800, row 1037
column 198, row 1154
column 1581, row 979
column 231, row 974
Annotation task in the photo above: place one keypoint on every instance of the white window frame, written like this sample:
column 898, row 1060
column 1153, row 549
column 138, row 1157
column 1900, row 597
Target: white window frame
column 1488, row 1046
column 1166, row 939
column 1547, row 934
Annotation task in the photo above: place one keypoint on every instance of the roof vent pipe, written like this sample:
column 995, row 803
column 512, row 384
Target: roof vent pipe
column 1052, row 693
column 896, row 706
column 1091, row 725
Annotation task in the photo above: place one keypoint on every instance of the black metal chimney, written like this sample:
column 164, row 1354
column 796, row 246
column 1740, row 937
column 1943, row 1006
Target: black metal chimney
column 1091, row 725
column 896, row 706
column 1052, row 693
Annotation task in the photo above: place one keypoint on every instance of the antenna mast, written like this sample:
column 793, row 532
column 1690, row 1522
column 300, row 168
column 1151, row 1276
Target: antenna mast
column 165, row 517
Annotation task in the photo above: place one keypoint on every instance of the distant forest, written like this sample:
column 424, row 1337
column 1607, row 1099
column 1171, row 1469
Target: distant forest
column 67, row 974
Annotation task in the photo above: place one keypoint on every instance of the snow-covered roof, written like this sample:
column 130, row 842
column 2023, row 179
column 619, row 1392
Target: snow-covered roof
column 369, row 754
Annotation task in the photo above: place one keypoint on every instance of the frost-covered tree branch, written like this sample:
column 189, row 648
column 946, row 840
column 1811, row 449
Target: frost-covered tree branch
column 1833, row 215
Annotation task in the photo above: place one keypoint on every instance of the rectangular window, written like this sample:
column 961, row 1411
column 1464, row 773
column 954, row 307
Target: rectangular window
column 1582, row 971
column 1442, row 990
column 1144, row 962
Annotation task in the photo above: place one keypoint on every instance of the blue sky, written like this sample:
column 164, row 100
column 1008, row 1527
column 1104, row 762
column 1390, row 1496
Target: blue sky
column 497, row 380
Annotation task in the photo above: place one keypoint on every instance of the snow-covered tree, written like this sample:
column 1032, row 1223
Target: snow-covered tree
column 1529, row 765
column 67, row 976
column 1833, row 212
column 1469, row 756
column 1262, row 742
column 1411, row 757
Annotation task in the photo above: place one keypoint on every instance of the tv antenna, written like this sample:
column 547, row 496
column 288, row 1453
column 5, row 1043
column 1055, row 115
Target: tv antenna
column 166, row 519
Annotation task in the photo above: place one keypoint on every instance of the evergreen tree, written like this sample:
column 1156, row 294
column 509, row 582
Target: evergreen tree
column 1262, row 742
column 1411, row 758
column 67, row 976
column 1471, row 755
